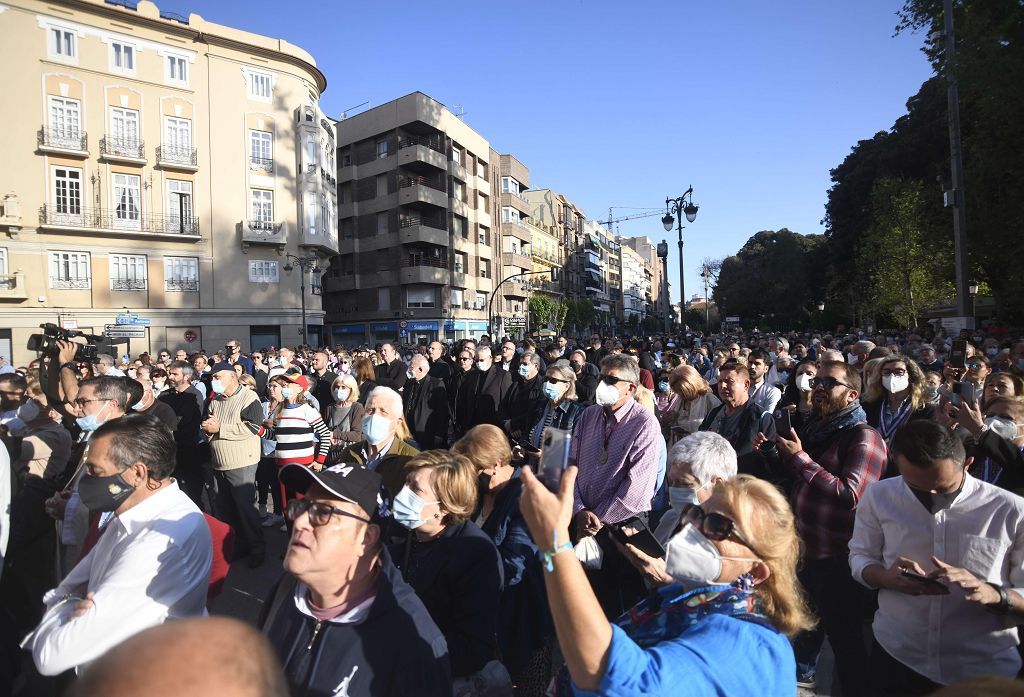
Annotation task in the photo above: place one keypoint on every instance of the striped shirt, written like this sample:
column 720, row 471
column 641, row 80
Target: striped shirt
column 302, row 436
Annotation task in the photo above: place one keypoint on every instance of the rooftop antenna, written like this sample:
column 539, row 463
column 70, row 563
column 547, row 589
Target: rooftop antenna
column 461, row 113
column 344, row 114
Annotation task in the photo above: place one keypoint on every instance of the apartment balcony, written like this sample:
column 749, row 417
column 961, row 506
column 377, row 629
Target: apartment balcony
column 417, row 191
column 517, row 230
column 265, row 232
column 130, row 150
column 418, row 268
column 128, row 284
column 458, row 171
column 119, row 222
column 337, row 284
column 516, row 201
column 13, row 287
column 515, row 289
column 415, row 229
column 326, row 243
column 181, row 285
column 63, row 141
column 264, row 165
column 177, row 157
column 419, row 151
column 546, row 257
column 546, row 287
column 523, row 261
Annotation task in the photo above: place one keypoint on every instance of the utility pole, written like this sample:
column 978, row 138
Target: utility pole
column 956, row 197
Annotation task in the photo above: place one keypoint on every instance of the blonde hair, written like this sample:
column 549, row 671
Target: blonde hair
column 688, row 383
column 349, row 382
column 482, row 445
column 454, row 481
column 565, row 372
column 874, row 391
column 766, row 519
column 645, row 398
column 300, row 397
column 247, row 380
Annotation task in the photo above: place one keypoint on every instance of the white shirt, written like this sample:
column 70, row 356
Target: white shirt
column 944, row 637
column 151, row 564
column 765, row 395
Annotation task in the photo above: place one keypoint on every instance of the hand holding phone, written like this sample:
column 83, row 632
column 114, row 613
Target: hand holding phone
column 933, row 586
column 554, row 457
column 783, row 422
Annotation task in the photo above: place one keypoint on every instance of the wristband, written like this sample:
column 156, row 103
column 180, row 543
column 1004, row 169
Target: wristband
column 1004, row 599
column 549, row 556
column 71, row 365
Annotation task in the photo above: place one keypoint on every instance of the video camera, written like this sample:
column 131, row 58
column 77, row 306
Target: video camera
column 46, row 343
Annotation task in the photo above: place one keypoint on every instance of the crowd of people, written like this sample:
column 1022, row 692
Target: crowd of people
column 688, row 514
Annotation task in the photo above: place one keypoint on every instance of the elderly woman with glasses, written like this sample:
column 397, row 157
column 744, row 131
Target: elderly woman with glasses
column 558, row 408
column 721, row 626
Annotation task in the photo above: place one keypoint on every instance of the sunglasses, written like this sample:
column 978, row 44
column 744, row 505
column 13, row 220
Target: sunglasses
column 612, row 380
column 828, row 382
column 465, row 358
column 319, row 513
column 714, row 526
column 553, row 380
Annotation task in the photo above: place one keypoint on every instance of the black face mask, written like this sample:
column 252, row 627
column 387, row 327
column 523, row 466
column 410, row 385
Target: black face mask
column 483, row 482
column 104, row 494
column 575, row 366
column 936, row 502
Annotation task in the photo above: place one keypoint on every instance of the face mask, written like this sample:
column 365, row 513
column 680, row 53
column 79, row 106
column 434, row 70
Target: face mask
column 92, row 421
column 1020, row 363
column 158, row 384
column 482, row 366
column 680, row 496
column 551, row 391
column 139, row 405
column 273, row 362
column 932, row 393
column 576, row 366
column 287, row 392
column 990, row 352
column 132, row 373
column 520, row 350
column 803, row 382
column 524, row 370
column 409, row 374
column 977, row 339
column 376, row 428
column 606, row 395
column 104, row 494
column 691, row 557
column 342, row 395
column 217, row 386
column 483, row 481
column 772, row 355
column 783, row 375
column 663, row 386
column 1002, row 426
column 851, row 359
column 895, row 383
column 407, row 509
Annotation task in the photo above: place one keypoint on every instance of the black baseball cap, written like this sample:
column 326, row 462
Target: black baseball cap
column 348, row 481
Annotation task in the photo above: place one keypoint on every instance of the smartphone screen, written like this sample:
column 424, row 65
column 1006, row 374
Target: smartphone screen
column 783, row 423
column 554, row 457
column 958, row 353
column 925, row 580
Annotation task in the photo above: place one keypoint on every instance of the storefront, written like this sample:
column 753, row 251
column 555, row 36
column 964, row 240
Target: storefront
column 419, row 332
column 348, row 335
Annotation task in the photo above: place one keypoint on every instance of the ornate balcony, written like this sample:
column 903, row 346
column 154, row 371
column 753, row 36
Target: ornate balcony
column 60, row 283
column 181, row 285
column 264, row 165
column 177, row 157
column 12, row 287
column 128, row 284
column 123, row 149
column 262, row 232
column 118, row 221
column 63, row 141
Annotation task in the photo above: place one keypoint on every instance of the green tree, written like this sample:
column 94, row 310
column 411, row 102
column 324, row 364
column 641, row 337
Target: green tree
column 542, row 310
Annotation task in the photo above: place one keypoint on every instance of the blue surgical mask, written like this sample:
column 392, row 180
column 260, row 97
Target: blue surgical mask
column 217, row 386
column 92, row 421
column 520, row 350
column 664, row 386
column 680, row 496
column 407, row 509
column 551, row 391
column 783, row 375
column 342, row 394
column 376, row 428
column 524, row 370
column 139, row 405
column 287, row 392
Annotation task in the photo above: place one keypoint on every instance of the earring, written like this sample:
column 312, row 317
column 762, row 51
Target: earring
column 745, row 582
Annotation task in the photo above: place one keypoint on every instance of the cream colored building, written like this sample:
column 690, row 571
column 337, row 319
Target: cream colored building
column 164, row 165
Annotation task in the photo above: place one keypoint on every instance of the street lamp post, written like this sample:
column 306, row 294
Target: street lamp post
column 306, row 263
column 972, row 289
column 490, row 303
column 705, row 273
column 682, row 205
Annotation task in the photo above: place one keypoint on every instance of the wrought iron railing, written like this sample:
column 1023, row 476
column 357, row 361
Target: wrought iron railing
column 70, row 283
column 181, row 284
column 407, row 181
column 117, row 219
column 128, row 284
column 433, row 142
column 268, row 227
column 438, row 262
column 63, row 138
column 176, row 154
column 123, row 147
column 264, row 164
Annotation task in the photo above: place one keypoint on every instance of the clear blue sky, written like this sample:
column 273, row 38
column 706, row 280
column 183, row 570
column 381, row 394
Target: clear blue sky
column 624, row 103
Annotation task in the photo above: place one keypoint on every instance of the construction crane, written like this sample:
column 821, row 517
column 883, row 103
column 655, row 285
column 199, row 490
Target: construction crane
column 650, row 212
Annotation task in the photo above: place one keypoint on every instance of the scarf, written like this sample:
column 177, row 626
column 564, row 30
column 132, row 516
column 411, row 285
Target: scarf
column 820, row 430
column 670, row 611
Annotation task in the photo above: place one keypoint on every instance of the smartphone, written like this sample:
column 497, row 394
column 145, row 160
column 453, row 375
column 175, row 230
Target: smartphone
column 783, row 422
column 643, row 539
column 527, row 447
column 926, row 580
column 958, row 354
column 554, row 457
column 964, row 391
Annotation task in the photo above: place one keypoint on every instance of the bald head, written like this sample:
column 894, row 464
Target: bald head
column 195, row 657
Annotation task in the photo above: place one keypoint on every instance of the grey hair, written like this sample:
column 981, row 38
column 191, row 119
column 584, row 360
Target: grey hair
column 382, row 392
column 781, row 341
column 708, row 454
column 623, row 363
column 479, row 349
column 831, row 355
column 564, row 371
column 105, row 359
column 865, row 345
column 185, row 367
column 417, row 359
column 534, row 359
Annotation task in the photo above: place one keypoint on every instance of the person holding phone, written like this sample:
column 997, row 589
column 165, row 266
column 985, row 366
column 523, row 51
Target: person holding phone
column 937, row 521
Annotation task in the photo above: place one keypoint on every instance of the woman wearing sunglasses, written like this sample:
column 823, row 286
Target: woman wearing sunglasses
column 720, row 628
column 558, row 408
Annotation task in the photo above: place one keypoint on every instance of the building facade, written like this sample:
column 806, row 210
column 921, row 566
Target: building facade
column 634, row 280
column 657, row 297
column 160, row 164
column 510, row 178
column 418, row 253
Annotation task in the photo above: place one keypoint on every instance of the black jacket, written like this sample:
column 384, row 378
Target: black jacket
column 459, row 578
column 520, row 396
column 586, row 383
column 188, row 408
column 565, row 415
column 874, row 413
column 648, row 362
column 480, row 399
column 393, row 374
column 440, row 369
column 1005, row 460
column 741, row 436
column 365, row 388
column 396, row 650
column 425, row 404
column 320, row 387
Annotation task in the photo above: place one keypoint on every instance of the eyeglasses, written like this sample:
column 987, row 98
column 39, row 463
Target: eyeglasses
column 716, row 526
column 319, row 513
column 898, row 372
column 553, row 380
column 82, row 402
column 465, row 358
column 974, row 366
column 734, row 348
column 828, row 382
column 612, row 380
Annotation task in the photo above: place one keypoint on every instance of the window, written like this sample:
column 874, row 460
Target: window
column 383, row 298
column 483, row 235
column 181, row 274
column 481, row 169
column 179, row 207
column 459, row 226
column 456, row 154
column 127, row 196
column 70, row 270
column 510, row 185
column 481, row 300
column 461, row 262
column 382, row 185
column 261, row 85
column 382, row 148
column 177, row 138
column 63, row 44
column 419, row 296
column 482, row 202
column 382, row 223
column 122, row 57
column 124, row 132
column 263, row 272
column 262, row 209
column 310, row 205
column 458, row 190
column 310, row 153
column 67, row 194
column 456, row 298
column 325, row 215
column 127, row 272
column 485, row 268
column 314, row 284
column 509, row 215
column 65, row 123
column 261, row 150
column 177, row 70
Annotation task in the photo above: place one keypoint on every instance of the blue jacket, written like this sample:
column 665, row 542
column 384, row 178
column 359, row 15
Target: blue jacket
column 720, row 655
column 524, row 619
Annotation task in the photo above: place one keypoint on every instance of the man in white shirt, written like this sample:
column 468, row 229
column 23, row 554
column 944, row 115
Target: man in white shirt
column 151, row 562
column 762, row 392
column 946, row 552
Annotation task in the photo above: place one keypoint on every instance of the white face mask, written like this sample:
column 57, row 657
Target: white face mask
column 482, row 366
column 341, row 394
column 1002, row 426
column 895, row 383
column 606, row 395
column 692, row 558
column 851, row 358
column 803, row 382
